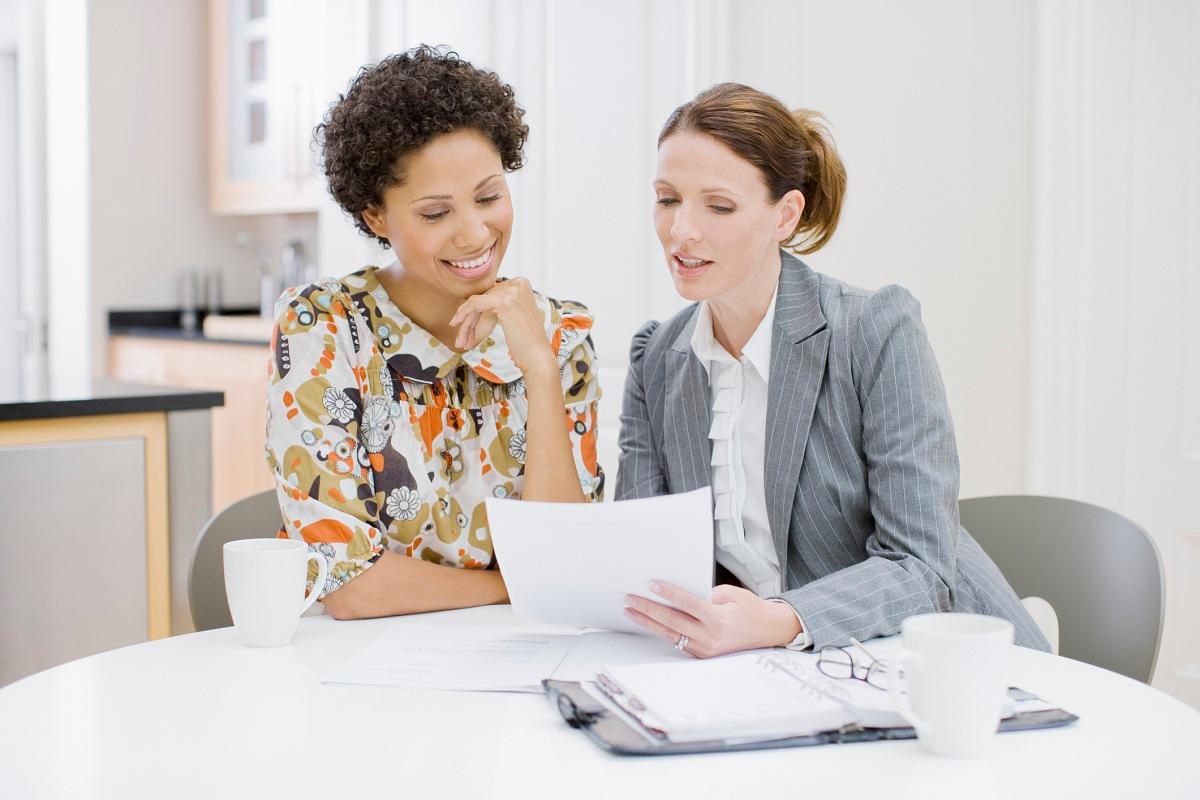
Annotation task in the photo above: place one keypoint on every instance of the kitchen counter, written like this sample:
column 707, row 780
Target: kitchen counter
column 122, row 470
column 91, row 398
column 165, row 324
column 149, row 347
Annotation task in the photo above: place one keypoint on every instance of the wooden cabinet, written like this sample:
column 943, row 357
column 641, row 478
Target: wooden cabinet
column 239, row 468
column 266, row 94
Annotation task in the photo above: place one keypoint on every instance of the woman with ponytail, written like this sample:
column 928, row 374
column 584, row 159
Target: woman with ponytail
column 813, row 409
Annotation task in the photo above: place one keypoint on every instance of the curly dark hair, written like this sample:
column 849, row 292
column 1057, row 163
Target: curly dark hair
column 395, row 107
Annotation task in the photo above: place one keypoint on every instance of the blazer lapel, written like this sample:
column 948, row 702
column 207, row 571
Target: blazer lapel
column 799, row 346
column 688, row 418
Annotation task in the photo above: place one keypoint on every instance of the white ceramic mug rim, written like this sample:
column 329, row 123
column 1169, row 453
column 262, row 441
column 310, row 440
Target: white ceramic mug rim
column 265, row 545
column 955, row 624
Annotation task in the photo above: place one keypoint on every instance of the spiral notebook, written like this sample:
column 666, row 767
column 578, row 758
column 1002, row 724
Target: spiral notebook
column 774, row 698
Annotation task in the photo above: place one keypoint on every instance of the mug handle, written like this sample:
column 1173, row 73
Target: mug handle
column 906, row 662
column 322, row 574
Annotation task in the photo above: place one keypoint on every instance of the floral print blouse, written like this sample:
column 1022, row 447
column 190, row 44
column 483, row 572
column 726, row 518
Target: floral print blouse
column 380, row 436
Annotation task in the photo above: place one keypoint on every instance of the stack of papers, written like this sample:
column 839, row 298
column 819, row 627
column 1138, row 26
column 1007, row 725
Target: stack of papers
column 515, row 659
column 737, row 696
column 565, row 564
column 458, row 658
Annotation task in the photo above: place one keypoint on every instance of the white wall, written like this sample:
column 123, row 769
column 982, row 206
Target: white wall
column 22, row 36
column 9, row 184
column 68, row 200
column 1116, row 387
column 352, row 39
column 148, row 175
column 9, row 24
column 931, row 103
column 126, row 154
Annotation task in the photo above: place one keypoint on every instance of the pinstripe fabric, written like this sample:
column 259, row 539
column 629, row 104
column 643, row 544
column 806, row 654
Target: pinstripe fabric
column 861, row 463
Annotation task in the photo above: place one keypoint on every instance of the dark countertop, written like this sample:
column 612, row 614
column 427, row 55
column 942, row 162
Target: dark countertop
column 165, row 324
column 178, row 335
column 102, row 397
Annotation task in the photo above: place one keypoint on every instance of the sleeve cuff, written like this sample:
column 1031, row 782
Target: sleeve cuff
column 802, row 641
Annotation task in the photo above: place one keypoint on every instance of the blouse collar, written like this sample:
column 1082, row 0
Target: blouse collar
column 757, row 350
column 418, row 356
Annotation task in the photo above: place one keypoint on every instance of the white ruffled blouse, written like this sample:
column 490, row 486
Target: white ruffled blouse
column 738, row 389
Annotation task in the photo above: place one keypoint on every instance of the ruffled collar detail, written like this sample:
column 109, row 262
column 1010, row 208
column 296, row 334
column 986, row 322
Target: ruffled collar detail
column 727, row 385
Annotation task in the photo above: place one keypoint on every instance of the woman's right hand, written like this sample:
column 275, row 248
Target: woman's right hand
column 734, row 620
column 512, row 305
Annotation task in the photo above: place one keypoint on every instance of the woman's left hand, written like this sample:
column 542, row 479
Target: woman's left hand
column 511, row 304
column 735, row 620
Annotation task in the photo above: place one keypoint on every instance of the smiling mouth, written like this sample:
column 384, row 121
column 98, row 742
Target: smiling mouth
column 473, row 267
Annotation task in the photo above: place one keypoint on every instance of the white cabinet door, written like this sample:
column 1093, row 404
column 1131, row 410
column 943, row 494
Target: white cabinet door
column 266, row 75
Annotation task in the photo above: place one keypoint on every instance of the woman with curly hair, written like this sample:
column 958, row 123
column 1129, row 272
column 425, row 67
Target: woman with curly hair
column 401, row 397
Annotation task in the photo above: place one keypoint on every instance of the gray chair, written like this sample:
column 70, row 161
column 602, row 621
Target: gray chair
column 249, row 518
column 1099, row 570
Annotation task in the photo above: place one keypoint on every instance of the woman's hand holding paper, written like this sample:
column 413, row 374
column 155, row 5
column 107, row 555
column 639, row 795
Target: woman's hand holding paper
column 736, row 619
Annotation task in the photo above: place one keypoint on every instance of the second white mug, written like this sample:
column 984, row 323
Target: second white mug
column 955, row 668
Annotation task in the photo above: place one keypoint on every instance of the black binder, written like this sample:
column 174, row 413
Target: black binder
column 613, row 733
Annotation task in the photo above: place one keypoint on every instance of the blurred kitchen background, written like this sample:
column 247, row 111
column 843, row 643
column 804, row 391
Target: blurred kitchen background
column 1030, row 169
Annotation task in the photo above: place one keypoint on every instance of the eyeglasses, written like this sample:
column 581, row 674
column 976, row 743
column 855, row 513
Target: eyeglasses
column 838, row 662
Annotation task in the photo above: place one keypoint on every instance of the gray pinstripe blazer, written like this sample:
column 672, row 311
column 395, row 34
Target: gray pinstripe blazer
column 861, row 463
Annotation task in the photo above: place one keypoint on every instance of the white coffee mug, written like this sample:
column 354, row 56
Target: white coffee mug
column 264, row 583
column 955, row 668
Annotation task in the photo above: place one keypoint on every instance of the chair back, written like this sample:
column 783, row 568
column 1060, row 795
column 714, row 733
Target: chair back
column 1099, row 570
column 252, row 517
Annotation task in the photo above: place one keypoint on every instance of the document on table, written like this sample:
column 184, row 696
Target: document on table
column 463, row 658
column 573, row 563
column 735, row 696
column 457, row 658
column 594, row 651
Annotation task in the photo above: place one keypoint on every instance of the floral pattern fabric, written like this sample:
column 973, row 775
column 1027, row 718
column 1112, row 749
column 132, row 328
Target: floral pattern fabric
column 381, row 436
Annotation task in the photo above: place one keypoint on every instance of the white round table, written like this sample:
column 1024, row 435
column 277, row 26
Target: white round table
column 201, row 716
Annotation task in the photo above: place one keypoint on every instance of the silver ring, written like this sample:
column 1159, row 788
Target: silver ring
column 681, row 642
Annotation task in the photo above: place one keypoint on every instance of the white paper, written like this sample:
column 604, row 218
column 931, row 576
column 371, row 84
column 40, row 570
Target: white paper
column 573, row 563
column 595, row 650
column 730, row 696
column 457, row 658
